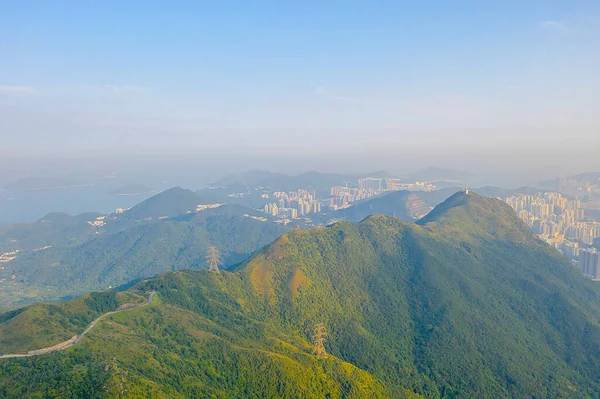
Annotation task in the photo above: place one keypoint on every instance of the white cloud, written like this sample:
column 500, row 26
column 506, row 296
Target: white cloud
column 17, row 90
column 560, row 26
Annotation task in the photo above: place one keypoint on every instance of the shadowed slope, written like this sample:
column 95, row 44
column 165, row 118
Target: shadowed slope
column 466, row 303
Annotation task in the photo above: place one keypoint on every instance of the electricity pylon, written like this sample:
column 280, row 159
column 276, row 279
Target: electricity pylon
column 318, row 340
column 213, row 258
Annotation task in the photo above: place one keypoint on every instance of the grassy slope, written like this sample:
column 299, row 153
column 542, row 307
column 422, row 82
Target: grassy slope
column 42, row 324
column 466, row 304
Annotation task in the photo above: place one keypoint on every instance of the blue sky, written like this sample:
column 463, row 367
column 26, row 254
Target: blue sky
column 281, row 74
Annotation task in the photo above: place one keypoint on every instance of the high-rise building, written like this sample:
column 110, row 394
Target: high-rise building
column 316, row 208
column 589, row 262
column 571, row 250
column 370, row 183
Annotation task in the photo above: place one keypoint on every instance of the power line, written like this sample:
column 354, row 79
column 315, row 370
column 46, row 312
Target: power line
column 213, row 258
column 318, row 340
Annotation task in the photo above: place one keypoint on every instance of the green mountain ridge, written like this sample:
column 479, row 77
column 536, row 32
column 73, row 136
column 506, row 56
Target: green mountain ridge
column 466, row 303
column 62, row 255
column 171, row 202
column 53, row 229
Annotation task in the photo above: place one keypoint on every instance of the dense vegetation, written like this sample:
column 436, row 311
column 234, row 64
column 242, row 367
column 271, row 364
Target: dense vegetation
column 466, row 303
column 64, row 255
column 102, row 302
column 69, row 376
column 45, row 324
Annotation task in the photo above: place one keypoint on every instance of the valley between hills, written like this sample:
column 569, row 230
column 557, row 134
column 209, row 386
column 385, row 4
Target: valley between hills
column 410, row 310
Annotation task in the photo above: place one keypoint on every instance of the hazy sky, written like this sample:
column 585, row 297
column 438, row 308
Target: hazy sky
column 487, row 79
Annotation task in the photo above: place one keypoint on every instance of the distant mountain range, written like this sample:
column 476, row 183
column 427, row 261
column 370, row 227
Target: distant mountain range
column 317, row 180
column 42, row 183
column 172, row 202
column 309, row 180
column 591, row 176
column 250, row 178
column 553, row 184
column 135, row 189
column 412, row 205
column 466, row 303
column 406, row 205
column 62, row 255
column 444, row 174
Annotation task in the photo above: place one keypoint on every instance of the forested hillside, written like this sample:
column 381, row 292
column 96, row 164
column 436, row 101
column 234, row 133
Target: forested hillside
column 466, row 303
column 63, row 255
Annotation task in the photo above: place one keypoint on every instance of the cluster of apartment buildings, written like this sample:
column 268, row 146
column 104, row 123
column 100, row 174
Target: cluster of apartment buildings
column 562, row 223
column 390, row 184
column 343, row 196
column 553, row 216
column 293, row 204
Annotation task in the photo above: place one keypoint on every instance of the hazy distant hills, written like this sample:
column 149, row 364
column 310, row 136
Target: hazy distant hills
column 465, row 303
column 319, row 181
column 554, row 183
column 250, row 178
column 247, row 188
column 41, row 183
column 433, row 173
column 30, row 199
column 174, row 201
column 412, row 205
column 592, row 176
column 492, row 191
column 62, row 255
column 308, row 180
column 405, row 205
column 135, row 189
column 53, row 229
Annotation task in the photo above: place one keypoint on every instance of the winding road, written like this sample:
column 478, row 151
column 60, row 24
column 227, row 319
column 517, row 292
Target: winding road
column 76, row 341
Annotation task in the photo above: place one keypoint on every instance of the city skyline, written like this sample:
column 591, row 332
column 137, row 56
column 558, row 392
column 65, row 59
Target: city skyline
column 562, row 222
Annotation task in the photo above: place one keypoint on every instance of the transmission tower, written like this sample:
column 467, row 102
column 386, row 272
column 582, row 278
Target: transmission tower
column 318, row 340
column 213, row 258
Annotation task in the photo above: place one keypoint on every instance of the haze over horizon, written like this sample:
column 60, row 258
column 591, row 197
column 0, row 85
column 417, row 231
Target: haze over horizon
column 314, row 199
column 504, row 88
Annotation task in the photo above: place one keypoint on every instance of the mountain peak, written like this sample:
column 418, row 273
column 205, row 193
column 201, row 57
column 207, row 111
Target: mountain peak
column 470, row 213
column 171, row 202
column 401, row 304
